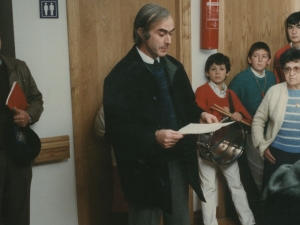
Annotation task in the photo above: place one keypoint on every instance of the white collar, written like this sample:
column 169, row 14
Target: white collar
column 146, row 58
column 257, row 74
column 291, row 44
column 216, row 89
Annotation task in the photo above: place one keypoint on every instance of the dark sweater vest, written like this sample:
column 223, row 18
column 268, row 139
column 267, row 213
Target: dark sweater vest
column 168, row 112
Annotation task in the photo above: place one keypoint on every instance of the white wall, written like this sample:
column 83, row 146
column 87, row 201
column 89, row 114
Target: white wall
column 43, row 45
column 199, row 57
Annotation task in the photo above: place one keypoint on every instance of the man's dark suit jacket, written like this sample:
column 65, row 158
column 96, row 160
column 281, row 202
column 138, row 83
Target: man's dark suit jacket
column 132, row 112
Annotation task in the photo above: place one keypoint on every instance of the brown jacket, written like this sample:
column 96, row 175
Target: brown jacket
column 19, row 71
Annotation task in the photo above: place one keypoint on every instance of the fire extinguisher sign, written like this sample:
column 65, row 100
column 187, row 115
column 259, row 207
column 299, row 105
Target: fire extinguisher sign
column 212, row 15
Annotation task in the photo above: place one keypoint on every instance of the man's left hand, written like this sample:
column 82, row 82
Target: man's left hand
column 167, row 138
column 21, row 117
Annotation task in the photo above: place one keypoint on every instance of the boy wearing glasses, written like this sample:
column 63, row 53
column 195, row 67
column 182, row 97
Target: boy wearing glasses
column 292, row 26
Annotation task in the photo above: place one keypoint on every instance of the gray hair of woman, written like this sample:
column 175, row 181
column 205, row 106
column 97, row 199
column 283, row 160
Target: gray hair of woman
column 147, row 16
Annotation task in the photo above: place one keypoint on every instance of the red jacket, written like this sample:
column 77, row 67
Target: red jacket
column 206, row 98
column 277, row 70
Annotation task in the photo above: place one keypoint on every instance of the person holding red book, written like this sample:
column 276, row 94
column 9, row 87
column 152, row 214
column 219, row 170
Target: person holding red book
column 15, row 178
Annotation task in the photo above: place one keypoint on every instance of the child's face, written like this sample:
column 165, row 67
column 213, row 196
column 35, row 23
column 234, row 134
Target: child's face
column 294, row 33
column 217, row 73
column 259, row 60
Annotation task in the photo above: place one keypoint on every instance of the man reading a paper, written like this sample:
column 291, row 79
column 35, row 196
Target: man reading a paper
column 147, row 99
column 15, row 178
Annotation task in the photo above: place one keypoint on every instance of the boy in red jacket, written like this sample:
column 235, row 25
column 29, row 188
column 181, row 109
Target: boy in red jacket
column 292, row 27
column 217, row 68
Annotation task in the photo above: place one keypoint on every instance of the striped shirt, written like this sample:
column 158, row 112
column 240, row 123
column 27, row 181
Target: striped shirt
column 288, row 137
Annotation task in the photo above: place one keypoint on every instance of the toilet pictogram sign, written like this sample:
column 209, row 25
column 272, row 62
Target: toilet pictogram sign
column 48, row 9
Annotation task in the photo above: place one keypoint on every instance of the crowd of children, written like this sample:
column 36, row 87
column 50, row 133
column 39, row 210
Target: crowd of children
column 242, row 98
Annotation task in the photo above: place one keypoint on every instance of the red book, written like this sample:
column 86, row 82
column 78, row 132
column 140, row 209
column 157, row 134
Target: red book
column 16, row 98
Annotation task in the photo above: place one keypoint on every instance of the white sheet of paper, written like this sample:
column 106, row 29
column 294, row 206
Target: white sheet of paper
column 202, row 128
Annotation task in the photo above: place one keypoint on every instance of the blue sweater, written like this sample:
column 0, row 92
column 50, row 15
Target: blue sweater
column 246, row 88
column 288, row 137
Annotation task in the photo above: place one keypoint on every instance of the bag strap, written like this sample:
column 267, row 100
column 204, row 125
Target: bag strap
column 231, row 107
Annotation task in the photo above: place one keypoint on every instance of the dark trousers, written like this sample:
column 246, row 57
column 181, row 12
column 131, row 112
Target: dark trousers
column 281, row 158
column 288, row 214
column 15, row 181
column 180, row 215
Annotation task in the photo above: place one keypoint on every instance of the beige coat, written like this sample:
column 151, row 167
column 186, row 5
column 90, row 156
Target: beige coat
column 272, row 107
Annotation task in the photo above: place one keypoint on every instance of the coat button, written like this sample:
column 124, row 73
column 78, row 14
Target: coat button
column 154, row 98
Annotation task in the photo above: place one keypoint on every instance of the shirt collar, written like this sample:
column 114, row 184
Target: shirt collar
column 146, row 58
column 257, row 74
column 216, row 89
column 291, row 44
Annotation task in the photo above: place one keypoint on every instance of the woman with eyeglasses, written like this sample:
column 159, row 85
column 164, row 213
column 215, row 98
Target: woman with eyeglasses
column 276, row 123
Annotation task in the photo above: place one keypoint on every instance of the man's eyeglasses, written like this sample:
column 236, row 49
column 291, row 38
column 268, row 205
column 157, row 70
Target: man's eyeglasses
column 288, row 70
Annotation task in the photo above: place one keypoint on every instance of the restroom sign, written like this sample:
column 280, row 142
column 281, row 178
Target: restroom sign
column 48, row 9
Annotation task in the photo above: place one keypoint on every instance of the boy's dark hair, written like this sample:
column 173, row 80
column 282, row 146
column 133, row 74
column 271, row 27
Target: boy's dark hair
column 257, row 46
column 290, row 55
column 218, row 59
column 293, row 19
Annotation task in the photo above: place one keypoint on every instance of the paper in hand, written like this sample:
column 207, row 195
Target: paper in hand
column 202, row 128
